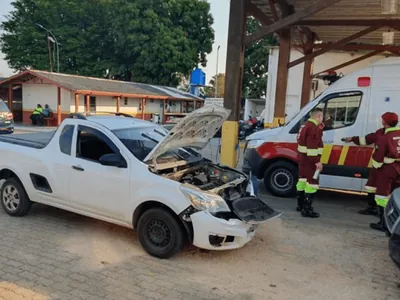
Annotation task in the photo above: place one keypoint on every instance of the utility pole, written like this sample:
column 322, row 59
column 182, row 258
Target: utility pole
column 216, row 75
column 51, row 37
column 51, row 60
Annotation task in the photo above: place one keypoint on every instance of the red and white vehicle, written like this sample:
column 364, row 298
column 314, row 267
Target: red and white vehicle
column 353, row 106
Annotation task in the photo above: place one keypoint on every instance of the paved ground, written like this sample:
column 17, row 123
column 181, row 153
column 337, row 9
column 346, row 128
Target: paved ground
column 51, row 254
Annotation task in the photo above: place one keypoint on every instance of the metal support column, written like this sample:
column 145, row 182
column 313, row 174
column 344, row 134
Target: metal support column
column 118, row 103
column 87, row 103
column 233, row 81
column 58, row 106
column 76, row 103
column 282, row 77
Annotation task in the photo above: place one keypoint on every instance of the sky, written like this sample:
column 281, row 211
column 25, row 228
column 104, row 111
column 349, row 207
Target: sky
column 220, row 11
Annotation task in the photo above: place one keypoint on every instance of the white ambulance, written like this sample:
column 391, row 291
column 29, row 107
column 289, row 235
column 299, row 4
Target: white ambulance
column 353, row 106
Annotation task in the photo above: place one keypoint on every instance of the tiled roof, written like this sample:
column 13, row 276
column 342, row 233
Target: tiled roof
column 83, row 83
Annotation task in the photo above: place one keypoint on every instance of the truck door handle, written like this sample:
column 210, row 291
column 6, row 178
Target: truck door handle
column 78, row 168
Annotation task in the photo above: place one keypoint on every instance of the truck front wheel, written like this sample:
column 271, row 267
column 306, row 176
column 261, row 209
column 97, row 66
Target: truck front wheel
column 160, row 233
column 14, row 199
column 280, row 179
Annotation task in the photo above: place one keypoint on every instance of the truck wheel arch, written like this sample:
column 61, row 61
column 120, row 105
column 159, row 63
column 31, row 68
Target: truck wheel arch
column 143, row 207
column 269, row 162
column 7, row 173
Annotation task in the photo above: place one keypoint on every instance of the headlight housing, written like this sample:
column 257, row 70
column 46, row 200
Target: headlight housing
column 254, row 143
column 205, row 201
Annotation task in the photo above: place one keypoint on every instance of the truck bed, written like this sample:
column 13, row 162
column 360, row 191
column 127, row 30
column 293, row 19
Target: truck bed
column 37, row 140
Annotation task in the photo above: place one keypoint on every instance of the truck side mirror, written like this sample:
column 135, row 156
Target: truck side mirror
column 113, row 160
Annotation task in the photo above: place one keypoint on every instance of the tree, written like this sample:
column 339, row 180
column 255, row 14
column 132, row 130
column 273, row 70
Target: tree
column 255, row 75
column 150, row 41
column 221, row 86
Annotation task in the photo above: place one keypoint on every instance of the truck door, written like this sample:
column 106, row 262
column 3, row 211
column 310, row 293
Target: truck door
column 95, row 188
column 344, row 115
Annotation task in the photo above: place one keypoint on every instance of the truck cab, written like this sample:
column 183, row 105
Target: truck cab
column 352, row 106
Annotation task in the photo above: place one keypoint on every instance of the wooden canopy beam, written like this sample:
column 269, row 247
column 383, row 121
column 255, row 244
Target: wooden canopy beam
column 350, row 22
column 333, row 45
column 273, row 10
column 253, row 10
column 358, row 47
column 350, row 62
column 309, row 10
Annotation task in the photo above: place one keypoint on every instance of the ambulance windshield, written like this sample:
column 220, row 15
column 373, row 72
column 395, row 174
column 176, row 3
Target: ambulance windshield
column 303, row 111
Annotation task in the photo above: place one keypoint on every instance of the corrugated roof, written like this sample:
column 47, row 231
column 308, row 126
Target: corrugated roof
column 343, row 10
column 83, row 83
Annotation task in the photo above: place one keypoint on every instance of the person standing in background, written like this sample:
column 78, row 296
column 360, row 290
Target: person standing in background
column 310, row 147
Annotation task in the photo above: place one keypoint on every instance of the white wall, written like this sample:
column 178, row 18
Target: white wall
column 34, row 94
column 295, row 78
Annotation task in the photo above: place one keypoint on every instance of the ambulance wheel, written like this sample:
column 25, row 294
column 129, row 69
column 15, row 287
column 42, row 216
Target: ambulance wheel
column 280, row 179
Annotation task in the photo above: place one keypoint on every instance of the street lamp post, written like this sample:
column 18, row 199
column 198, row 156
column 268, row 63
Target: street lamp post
column 54, row 40
column 216, row 75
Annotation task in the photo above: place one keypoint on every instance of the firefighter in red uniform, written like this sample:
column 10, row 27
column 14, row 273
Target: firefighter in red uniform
column 370, row 187
column 386, row 161
column 310, row 146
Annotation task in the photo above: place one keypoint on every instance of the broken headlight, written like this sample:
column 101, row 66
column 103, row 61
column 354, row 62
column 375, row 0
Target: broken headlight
column 205, row 201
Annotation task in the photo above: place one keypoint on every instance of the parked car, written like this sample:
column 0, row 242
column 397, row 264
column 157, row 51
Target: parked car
column 392, row 218
column 6, row 119
column 136, row 174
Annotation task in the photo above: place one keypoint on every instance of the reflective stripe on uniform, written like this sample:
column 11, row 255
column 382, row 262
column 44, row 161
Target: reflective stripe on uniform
column 311, row 188
column 312, row 152
column 388, row 160
column 301, row 184
column 313, row 121
column 370, row 189
column 320, row 151
column 362, row 140
column 302, row 149
column 376, row 164
column 391, row 129
column 381, row 201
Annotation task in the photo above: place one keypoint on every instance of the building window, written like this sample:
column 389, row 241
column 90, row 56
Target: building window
column 125, row 101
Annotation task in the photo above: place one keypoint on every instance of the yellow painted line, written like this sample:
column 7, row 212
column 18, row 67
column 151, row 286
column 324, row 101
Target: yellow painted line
column 326, row 154
column 343, row 155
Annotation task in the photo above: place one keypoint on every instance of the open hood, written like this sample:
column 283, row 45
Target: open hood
column 195, row 131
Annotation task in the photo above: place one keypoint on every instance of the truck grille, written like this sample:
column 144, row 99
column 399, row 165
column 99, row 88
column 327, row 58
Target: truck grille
column 392, row 214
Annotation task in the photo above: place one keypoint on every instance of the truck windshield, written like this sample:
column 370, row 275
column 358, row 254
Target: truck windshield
column 140, row 142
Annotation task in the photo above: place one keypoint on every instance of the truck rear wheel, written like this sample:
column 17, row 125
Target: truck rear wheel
column 280, row 179
column 160, row 233
column 14, row 199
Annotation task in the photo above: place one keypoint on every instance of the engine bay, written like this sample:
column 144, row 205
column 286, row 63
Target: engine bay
column 228, row 183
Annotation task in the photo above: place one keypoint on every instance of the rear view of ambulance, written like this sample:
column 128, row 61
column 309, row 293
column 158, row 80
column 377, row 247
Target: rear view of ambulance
column 352, row 107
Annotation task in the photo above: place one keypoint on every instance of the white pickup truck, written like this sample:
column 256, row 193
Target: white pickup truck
column 136, row 174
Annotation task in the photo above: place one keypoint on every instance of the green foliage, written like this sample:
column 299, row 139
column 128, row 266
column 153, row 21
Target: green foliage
column 150, row 41
column 256, row 63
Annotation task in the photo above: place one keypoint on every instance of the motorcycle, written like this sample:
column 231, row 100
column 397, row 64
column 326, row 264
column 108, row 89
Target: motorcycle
column 249, row 127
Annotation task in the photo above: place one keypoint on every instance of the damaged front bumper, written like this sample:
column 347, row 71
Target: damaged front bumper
column 214, row 233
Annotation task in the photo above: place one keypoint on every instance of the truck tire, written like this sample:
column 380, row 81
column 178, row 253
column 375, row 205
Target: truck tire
column 14, row 199
column 160, row 233
column 280, row 179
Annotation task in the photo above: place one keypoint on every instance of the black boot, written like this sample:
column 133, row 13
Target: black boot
column 300, row 200
column 308, row 210
column 381, row 226
column 372, row 208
